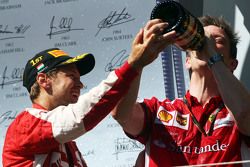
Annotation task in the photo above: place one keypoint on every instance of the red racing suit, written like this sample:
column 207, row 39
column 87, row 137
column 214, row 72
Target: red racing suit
column 38, row 137
column 171, row 138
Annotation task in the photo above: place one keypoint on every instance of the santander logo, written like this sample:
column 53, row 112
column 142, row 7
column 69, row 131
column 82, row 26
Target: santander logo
column 215, row 147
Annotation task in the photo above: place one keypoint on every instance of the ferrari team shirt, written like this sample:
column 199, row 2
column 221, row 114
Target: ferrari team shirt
column 41, row 138
column 172, row 138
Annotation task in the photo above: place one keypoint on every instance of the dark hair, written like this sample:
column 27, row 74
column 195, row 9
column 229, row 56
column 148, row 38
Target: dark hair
column 222, row 23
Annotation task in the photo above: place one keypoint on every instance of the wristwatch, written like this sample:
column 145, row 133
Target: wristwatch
column 215, row 58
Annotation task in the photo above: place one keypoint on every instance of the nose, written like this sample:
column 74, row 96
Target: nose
column 80, row 84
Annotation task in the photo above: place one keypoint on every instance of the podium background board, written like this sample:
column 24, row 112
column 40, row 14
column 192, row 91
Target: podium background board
column 105, row 29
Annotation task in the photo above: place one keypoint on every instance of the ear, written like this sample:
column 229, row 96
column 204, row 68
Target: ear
column 233, row 64
column 43, row 80
column 188, row 64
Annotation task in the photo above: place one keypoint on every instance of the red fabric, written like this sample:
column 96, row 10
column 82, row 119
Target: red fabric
column 172, row 139
column 28, row 138
column 126, row 74
column 37, row 137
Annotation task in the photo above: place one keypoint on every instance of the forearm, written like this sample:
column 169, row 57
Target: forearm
column 128, row 112
column 124, row 109
column 92, row 107
column 235, row 96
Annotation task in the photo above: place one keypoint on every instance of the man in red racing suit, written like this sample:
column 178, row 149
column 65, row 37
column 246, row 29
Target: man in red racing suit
column 210, row 124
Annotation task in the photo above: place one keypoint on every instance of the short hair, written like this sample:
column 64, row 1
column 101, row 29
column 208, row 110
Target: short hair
column 222, row 23
column 35, row 88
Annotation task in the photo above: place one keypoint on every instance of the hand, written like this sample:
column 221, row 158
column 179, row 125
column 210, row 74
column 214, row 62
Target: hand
column 209, row 48
column 149, row 42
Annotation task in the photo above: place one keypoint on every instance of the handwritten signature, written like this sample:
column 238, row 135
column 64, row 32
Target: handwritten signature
column 123, row 145
column 9, row 115
column 88, row 153
column 16, row 32
column 117, row 61
column 15, row 77
column 64, row 26
column 114, row 18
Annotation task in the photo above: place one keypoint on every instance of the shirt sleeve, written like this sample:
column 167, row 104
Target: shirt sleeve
column 69, row 122
column 38, row 131
column 149, row 108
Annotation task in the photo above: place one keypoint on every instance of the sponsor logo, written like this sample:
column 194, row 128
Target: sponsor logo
column 173, row 147
column 211, row 118
column 172, row 118
column 57, row 53
column 165, row 116
column 181, row 119
column 222, row 122
column 77, row 58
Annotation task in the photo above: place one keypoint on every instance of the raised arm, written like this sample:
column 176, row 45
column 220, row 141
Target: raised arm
column 149, row 42
column 235, row 96
column 92, row 107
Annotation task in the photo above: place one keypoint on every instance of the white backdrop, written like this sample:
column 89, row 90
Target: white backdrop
column 104, row 28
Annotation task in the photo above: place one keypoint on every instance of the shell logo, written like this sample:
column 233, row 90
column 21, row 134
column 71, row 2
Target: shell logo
column 164, row 116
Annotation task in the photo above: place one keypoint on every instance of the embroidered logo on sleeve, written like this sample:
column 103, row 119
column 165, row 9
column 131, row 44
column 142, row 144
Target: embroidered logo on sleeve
column 172, row 118
column 222, row 122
